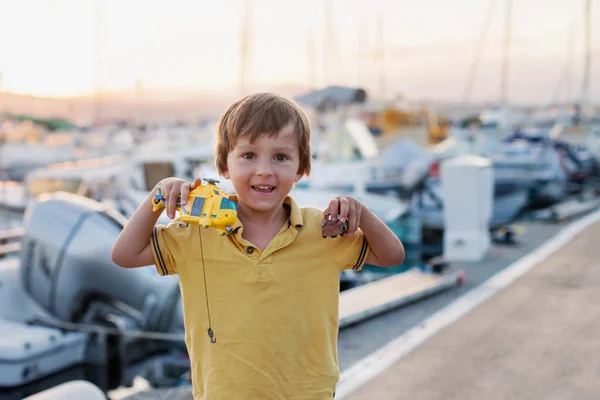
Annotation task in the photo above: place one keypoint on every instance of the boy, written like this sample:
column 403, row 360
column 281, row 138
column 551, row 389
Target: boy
column 267, row 293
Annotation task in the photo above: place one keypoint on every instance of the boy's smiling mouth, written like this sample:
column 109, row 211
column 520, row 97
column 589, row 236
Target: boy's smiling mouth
column 263, row 188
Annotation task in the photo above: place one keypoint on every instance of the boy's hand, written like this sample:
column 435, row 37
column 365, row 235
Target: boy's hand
column 172, row 188
column 344, row 208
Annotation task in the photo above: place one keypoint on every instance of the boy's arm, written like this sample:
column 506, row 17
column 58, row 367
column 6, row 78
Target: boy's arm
column 386, row 249
column 132, row 248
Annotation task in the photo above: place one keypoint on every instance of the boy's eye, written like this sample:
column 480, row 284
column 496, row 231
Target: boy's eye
column 248, row 156
column 281, row 157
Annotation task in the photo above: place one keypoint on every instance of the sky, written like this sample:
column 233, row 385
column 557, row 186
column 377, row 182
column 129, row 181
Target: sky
column 62, row 48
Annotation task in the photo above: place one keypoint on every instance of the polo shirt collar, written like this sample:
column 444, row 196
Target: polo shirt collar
column 295, row 212
column 295, row 218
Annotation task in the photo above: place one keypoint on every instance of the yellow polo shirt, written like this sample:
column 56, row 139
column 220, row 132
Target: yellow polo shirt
column 274, row 313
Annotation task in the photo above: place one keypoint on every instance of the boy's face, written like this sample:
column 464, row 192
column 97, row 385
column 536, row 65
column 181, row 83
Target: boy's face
column 264, row 172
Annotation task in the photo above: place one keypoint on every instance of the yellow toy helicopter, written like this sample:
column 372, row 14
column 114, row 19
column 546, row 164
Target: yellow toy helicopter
column 207, row 206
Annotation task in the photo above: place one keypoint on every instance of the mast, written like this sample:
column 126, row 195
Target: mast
column 568, row 73
column 381, row 44
column 245, row 46
column 328, row 56
column 505, row 123
column 137, row 95
column 585, row 84
column 311, row 59
column 506, row 54
column 477, row 56
column 99, row 61
column 565, row 81
column 361, row 51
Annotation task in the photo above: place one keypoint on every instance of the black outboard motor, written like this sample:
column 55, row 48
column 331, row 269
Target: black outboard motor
column 66, row 265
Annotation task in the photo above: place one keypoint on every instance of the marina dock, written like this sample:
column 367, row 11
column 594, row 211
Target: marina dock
column 532, row 338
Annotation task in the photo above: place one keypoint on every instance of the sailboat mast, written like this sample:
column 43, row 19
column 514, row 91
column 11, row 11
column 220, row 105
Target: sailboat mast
column 361, row 52
column 138, row 93
column 381, row 44
column 466, row 98
column 585, row 88
column 569, row 67
column 506, row 54
column 311, row 60
column 245, row 47
column 99, row 54
column 329, row 47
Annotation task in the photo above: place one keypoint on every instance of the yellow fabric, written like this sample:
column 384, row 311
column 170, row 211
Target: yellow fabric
column 274, row 313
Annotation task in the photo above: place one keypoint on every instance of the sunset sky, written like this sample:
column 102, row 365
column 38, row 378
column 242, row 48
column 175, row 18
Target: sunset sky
column 52, row 47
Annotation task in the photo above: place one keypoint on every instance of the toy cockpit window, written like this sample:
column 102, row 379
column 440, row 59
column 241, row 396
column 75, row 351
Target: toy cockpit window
column 197, row 206
column 227, row 204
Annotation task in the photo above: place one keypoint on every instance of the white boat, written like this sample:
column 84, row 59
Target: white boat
column 522, row 174
column 93, row 178
column 19, row 158
column 121, row 181
column 348, row 155
column 13, row 195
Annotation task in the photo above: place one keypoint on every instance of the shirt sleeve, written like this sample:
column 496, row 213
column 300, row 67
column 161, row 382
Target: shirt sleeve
column 168, row 246
column 351, row 251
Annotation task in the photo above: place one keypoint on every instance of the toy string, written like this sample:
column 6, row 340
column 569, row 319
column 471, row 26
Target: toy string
column 211, row 334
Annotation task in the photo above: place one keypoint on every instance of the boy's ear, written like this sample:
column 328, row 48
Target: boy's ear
column 225, row 174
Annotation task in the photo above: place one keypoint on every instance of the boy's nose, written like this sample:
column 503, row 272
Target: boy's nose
column 264, row 169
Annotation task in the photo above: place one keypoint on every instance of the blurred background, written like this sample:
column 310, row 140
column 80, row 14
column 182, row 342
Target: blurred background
column 452, row 120
column 96, row 61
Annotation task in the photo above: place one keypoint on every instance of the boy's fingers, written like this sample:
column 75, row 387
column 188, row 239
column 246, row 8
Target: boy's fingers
column 353, row 219
column 172, row 202
column 185, row 193
column 196, row 183
column 165, row 193
column 344, row 208
column 324, row 217
column 334, row 205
